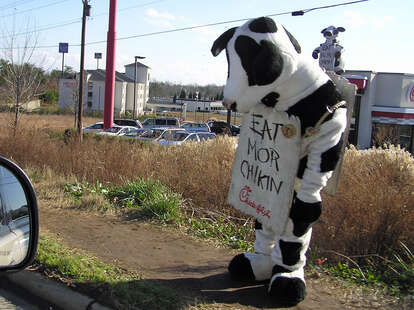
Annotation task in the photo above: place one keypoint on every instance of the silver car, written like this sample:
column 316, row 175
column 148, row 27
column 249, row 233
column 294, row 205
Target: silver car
column 179, row 137
column 195, row 127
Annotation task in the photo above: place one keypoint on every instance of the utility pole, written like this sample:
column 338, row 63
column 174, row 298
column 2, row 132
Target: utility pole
column 86, row 12
column 110, row 68
column 135, row 85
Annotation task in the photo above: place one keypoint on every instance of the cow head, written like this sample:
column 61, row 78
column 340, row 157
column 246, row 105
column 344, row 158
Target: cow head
column 261, row 56
column 331, row 33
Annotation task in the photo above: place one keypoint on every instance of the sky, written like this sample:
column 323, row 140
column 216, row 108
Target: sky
column 378, row 36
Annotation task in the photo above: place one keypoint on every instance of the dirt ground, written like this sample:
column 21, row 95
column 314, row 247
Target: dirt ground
column 195, row 269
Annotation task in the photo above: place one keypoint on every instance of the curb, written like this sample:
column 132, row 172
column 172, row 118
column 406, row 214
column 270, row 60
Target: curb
column 55, row 293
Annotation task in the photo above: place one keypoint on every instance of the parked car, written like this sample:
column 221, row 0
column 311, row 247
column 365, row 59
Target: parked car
column 235, row 130
column 117, row 121
column 118, row 131
column 153, row 122
column 128, row 122
column 136, row 133
column 94, row 127
column 152, row 134
column 204, row 136
column 195, row 127
column 220, row 127
column 178, row 137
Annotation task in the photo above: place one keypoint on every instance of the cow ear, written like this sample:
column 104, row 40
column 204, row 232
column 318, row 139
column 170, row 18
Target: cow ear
column 221, row 42
column 323, row 30
column 340, row 29
column 268, row 64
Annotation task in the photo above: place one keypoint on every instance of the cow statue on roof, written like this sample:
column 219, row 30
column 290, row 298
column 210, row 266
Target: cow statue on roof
column 268, row 79
column 330, row 52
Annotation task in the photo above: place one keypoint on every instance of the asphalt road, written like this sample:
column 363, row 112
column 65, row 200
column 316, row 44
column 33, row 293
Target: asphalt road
column 13, row 297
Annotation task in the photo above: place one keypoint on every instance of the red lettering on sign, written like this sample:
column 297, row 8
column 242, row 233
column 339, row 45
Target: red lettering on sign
column 412, row 94
column 244, row 197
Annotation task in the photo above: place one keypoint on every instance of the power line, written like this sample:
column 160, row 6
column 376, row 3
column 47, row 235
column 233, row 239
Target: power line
column 78, row 20
column 293, row 13
column 47, row 27
column 33, row 9
column 15, row 4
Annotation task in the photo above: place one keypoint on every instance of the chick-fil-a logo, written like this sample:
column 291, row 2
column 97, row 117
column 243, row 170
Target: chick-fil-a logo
column 244, row 197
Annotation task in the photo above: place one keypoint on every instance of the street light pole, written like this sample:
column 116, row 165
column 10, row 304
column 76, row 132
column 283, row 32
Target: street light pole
column 86, row 12
column 135, row 85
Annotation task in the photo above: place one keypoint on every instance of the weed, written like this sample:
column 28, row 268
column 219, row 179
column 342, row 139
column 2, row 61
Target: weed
column 396, row 275
column 222, row 229
column 146, row 198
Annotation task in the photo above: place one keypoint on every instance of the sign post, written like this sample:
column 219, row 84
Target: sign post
column 63, row 48
column 97, row 57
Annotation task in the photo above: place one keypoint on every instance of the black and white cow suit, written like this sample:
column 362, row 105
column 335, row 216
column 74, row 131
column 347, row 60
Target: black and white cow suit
column 265, row 66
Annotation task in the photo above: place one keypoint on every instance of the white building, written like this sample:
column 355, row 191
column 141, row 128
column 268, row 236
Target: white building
column 194, row 105
column 384, row 108
column 94, row 90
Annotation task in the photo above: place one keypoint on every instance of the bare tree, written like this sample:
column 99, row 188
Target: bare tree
column 20, row 76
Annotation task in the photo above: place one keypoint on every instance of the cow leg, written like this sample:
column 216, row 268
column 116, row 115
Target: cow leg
column 287, row 284
column 255, row 266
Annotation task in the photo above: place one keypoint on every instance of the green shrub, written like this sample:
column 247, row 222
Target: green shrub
column 146, row 198
column 50, row 96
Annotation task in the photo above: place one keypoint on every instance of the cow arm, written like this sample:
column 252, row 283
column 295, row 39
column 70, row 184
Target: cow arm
column 323, row 150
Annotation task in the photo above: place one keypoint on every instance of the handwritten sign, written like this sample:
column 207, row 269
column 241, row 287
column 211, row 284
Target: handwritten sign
column 327, row 56
column 265, row 166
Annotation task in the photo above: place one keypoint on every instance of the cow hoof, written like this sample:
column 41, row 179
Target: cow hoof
column 240, row 269
column 287, row 291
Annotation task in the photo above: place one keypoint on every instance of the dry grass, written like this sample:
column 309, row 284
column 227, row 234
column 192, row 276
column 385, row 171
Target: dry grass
column 200, row 172
column 374, row 206
column 371, row 212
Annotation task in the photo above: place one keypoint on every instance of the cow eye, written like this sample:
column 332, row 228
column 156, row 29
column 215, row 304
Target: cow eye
column 335, row 32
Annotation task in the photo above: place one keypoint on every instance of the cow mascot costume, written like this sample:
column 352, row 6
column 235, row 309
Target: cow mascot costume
column 330, row 52
column 268, row 73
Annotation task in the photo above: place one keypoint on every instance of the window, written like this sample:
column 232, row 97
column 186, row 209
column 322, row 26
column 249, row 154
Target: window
column 13, row 197
column 97, row 126
column 172, row 122
column 393, row 134
column 149, row 121
column 406, row 137
column 90, row 94
column 160, row 122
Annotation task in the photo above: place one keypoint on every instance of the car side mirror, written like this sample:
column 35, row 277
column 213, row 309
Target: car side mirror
column 19, row 221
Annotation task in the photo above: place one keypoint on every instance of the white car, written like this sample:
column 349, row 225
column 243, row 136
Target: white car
column 97, row 127
column 178, row 137
column 151, row 134
column 195, row 127
column 118, row 131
